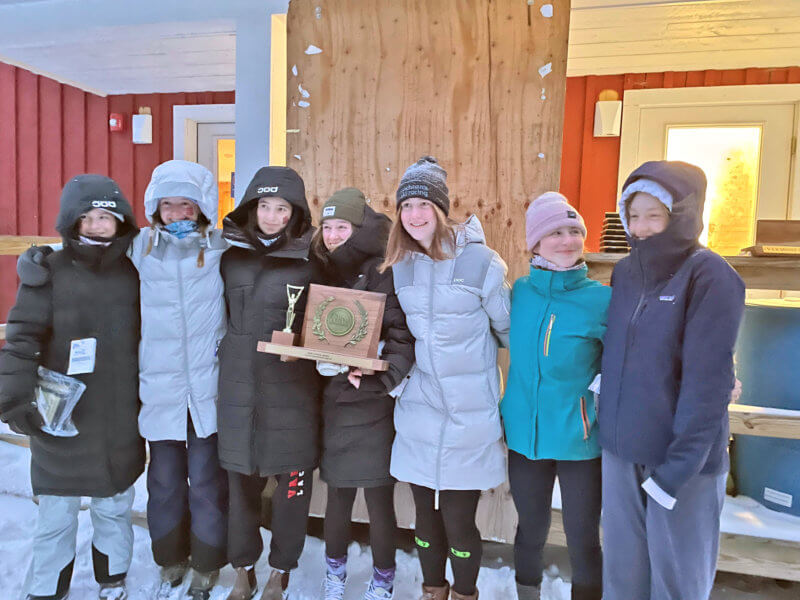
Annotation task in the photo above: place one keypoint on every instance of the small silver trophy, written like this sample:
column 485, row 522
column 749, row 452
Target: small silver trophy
column 293, row 292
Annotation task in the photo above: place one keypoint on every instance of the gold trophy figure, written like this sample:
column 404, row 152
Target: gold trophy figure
column 293, row 293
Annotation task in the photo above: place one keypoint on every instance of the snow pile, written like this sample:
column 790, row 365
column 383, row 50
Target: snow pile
column 18, row 519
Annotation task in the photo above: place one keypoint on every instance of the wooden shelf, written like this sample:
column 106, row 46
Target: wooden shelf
column 758, row 272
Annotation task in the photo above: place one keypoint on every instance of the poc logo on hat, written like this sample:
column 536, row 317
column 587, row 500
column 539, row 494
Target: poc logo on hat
column 328, row 211
column 267, row 190
column 104, row 204
column 571, row 214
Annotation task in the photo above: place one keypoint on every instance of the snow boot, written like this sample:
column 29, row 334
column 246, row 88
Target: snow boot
column 528, row 592
column 113, row 591
column 245, row 586
column 275, row 589
column 202, row 582
column 333, row 587
column 434, row 592
column 376, row 592
column 171, row 579
column 456, row 596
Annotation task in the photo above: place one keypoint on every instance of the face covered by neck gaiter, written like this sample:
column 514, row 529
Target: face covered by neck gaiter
column 180, row 229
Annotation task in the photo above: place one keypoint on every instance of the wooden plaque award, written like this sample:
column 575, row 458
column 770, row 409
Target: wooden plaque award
column 341, row 326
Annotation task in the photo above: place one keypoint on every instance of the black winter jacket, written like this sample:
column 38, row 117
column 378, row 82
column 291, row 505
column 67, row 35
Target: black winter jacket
column 268, row 411
column 81, row 292
column 668, row 350
column 358, row 424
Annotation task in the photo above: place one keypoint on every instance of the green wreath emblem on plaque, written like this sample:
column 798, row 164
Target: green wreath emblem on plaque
column 340, row 321
column 316, row 327
column 363, row 328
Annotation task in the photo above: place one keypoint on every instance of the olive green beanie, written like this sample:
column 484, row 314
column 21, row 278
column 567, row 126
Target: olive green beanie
column 347, row 204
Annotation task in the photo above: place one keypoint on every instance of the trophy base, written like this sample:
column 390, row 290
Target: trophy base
column 283, row 338
column 367, row 365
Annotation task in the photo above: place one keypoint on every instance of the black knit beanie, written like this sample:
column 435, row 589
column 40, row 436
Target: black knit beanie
column 425, row 179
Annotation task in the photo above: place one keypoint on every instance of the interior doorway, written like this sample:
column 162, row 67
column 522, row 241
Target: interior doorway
column 216, row 151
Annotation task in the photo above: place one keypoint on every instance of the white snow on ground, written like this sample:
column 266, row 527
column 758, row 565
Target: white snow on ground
column 18, row 518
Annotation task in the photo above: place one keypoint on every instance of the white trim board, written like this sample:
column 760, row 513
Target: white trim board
column 184, row 125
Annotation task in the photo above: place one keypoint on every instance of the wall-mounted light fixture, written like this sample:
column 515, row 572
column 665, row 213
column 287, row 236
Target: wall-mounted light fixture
column 142, row 126
column 607, row 114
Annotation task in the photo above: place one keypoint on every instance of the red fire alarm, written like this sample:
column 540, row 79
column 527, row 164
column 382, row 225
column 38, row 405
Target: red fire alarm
column 115, row 122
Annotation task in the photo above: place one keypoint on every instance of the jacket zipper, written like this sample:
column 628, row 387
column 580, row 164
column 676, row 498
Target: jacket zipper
column 185, row 347
column 546, row 348
column 628, row 338
column 441, row 393
column 584, row 419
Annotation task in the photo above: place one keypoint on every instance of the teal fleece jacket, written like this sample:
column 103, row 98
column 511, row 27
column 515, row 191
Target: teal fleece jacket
column 558, row 319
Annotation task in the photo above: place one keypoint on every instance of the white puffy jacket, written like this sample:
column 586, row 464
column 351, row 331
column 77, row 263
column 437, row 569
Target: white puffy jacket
column 183, row 310
column 449, row 434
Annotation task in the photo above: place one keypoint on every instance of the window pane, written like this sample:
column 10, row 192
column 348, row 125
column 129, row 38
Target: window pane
column 730, row 158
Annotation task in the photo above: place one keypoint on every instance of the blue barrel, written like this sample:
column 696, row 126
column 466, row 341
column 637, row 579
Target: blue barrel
column 768, row 364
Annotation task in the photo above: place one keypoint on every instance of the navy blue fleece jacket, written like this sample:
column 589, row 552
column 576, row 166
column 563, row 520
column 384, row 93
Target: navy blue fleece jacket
column 668, row 350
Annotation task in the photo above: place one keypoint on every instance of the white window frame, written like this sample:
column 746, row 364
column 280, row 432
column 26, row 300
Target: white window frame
column 185, row 118
column 636, row 100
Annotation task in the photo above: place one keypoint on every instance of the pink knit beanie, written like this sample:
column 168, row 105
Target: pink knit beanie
column 547, row 213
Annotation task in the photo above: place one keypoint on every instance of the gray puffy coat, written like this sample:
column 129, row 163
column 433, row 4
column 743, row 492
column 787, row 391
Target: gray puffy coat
column 183, row 310
column 449, row 435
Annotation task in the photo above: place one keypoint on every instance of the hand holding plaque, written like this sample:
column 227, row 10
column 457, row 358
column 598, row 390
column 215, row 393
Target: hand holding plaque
column 341, row 326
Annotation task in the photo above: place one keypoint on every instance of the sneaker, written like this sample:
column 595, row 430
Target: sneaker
column 113, row 591
column 333, row 587
column 202, row 582
column 376, row 592
column 276, row 587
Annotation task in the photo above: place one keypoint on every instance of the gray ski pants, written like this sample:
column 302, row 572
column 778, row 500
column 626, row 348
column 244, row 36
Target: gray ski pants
column 56, row 534
column 651, row 553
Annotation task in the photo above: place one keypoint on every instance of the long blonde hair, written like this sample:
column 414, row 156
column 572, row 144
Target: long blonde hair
column 401, row 244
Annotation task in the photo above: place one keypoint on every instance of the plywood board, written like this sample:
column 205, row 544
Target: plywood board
column 461, row 81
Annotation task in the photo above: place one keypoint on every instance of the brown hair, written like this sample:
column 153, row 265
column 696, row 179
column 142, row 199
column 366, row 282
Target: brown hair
column 401, row 243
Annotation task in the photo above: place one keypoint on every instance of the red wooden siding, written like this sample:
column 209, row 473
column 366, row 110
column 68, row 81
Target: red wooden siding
column 50, row 132
column 589, row 165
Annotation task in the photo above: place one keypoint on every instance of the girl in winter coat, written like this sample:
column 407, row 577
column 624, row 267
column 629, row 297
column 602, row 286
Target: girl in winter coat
column 183, row 321
column 268, row 409
column 82, row 300
column 558, row 320
column 449, row 443
column 357, row 411
column 667, row 377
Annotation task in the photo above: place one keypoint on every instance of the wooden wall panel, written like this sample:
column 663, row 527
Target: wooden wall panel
column 456, row 80
column 50, row 142
column 527, row 110
column 379, row 101
column 73, row 144
column 27, row 153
